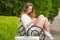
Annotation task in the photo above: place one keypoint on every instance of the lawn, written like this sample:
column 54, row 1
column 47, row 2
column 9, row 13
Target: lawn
column 8, row 27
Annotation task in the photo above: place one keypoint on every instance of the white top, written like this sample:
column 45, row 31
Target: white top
column 26, row 20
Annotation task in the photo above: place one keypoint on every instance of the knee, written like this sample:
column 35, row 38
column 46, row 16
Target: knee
column 46, row 18
column 41, row 16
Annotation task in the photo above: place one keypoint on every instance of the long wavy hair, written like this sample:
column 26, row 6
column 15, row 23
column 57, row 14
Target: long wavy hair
column 31, row 14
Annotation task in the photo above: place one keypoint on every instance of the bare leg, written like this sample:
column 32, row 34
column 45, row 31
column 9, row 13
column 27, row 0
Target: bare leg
column 46, row 25
column 46, row 29
column 43, row 23
column 40, row 21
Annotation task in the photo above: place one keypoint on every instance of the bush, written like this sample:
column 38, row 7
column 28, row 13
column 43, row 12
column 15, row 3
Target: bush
column 54, row 10
column 14, row 7
column 8, row 27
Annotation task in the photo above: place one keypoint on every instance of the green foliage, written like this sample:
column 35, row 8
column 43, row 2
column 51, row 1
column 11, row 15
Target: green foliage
column 58, row 3
column 54, row 10
column 8, row 27
column 43, row 7
column 13, row 7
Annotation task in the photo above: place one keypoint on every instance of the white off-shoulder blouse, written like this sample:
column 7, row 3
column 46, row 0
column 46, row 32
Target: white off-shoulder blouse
column 25, row 20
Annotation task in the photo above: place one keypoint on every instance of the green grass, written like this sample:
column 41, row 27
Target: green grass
column 8, row 27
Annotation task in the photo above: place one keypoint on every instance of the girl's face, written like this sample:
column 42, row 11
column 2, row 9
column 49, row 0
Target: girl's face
column 29, row 9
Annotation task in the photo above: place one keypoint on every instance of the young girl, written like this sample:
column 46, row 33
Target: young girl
column 28, row 19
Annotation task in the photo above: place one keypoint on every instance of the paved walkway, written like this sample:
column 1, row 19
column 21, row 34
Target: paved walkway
column 55, row 27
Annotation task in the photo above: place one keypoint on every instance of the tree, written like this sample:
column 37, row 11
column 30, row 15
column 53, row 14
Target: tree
column 48, row 8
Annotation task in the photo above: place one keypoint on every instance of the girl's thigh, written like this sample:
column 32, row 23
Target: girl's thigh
column 40, row 21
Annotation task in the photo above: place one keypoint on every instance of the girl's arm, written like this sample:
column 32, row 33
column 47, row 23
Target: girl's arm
column 29, row 24
column 25, row 20
column 33, row 21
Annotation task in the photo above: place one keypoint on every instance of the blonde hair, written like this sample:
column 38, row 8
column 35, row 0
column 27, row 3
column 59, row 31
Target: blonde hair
column 32, row 14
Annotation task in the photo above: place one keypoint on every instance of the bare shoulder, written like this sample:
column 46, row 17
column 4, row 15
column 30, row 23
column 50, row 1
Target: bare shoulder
column 24, row 15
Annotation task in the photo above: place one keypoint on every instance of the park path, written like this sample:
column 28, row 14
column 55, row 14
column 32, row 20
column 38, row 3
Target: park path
column 55, row 27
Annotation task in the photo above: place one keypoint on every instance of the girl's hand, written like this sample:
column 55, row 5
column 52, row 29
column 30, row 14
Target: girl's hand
column 34, row 20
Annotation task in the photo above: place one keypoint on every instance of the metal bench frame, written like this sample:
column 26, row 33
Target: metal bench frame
column 41, row 34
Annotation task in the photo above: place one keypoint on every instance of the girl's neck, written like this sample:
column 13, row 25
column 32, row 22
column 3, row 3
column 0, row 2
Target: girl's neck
column 27, row 13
